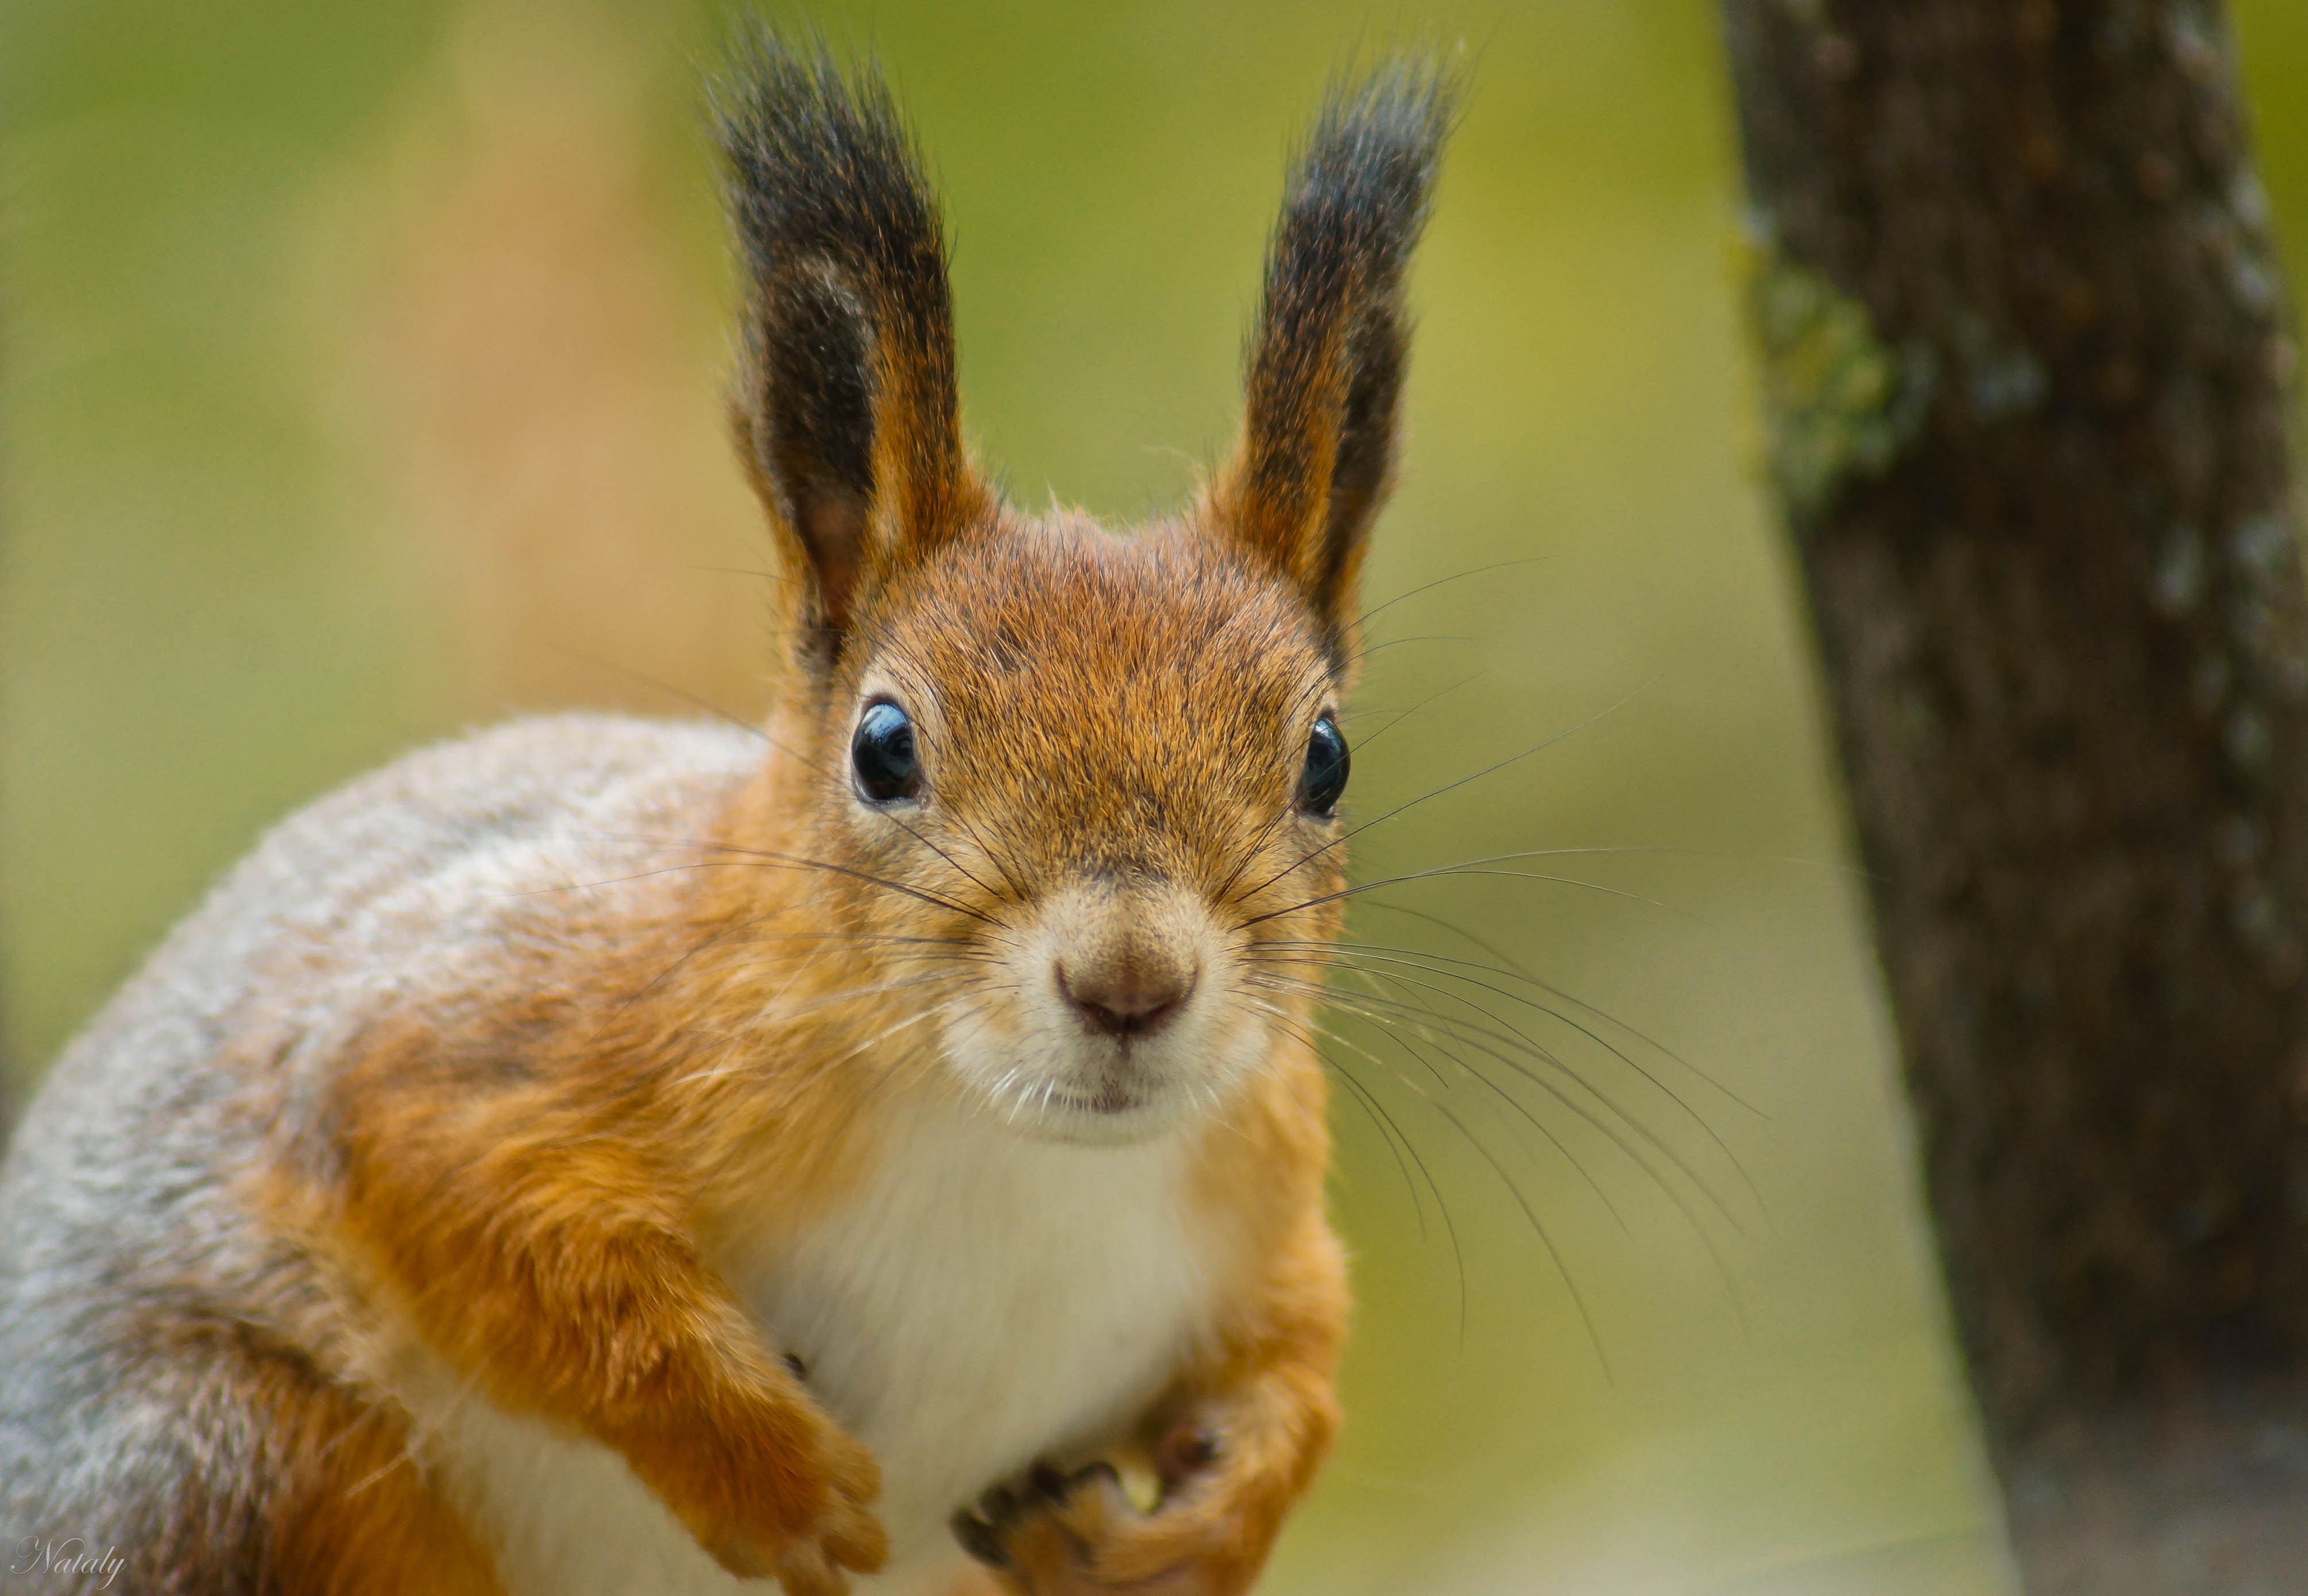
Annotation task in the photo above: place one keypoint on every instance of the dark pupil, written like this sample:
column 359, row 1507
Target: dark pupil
column 1325, row 775
column 882, row 754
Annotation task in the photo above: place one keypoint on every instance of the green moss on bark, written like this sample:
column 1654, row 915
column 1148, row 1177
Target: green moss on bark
column 1839, row 403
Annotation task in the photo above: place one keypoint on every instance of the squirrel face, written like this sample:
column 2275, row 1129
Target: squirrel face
column 1098, row 770
column 1096, row 748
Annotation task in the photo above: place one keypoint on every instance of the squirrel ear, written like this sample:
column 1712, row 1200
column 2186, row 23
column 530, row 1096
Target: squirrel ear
column 1326, row 357
column 846, row 411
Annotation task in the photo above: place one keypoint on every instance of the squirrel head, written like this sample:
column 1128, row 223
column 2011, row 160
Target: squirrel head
column 1086, row 774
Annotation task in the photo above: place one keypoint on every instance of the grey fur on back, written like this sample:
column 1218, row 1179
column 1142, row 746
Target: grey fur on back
column 423, row 883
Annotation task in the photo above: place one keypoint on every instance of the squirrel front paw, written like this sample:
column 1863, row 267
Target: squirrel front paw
column 796, row 1506
column 1081, row 1534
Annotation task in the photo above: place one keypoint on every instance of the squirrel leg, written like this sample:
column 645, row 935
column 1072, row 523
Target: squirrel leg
column 548, row 1261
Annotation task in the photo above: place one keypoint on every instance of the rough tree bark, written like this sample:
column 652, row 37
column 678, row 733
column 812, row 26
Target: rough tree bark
column 2026, row 361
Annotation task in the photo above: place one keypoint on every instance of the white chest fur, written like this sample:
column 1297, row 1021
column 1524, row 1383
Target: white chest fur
column 983, row 1299
column 980, row 1299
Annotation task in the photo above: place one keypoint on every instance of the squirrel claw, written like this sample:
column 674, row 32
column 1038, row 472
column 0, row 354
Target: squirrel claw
column 981, row 1537
column 1038, row 1535
column 1088, row 1533
column 803, row 1569
column 741, row 1558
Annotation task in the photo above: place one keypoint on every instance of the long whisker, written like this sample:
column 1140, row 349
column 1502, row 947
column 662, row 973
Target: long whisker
column 1354, row 1006
column 1388, row 1013
column 1373, row 1106
column 875, row 990
column 1249, row 854
column 964, row 947
column 811, row 947
column 715, row 940
column 1733, row 854
column 693, row 701
column 1350, row 952
column 824, row 1067
column 1010, row 875
column 1288, row 1023
column 1389, row 1133
column 1432, row 637
column 958, row 868
column 1547, row 1240
column 859, row 1103
column 1365, row 618
column 1520, row 972
column 1480, row 1038
column 1440, row 872
column 1400, row 716
column 1539, row 747
column 738, row 933
column 1715, row 1254
column 763, row 858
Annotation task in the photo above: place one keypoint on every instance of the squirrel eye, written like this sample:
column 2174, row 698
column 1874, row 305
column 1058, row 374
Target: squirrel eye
column 1325, row 775
column 882, row 753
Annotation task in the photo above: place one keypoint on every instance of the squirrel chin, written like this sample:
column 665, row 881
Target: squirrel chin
column 1097, row 1092
column 1089, row 1117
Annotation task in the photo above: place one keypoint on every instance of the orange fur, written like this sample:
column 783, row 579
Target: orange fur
column 358, row 1519
column 311, row 1486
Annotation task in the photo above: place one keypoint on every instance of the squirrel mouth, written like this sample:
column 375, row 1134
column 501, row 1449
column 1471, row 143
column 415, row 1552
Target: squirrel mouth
column 1118, row 1089
column 1109, row 1102
column 1114, row 1098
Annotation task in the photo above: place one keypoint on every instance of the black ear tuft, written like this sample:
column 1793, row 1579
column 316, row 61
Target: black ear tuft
column 846, row 408
column 1327, row 356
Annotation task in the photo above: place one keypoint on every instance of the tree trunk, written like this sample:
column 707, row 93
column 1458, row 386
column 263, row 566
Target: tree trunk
column 2025, row 358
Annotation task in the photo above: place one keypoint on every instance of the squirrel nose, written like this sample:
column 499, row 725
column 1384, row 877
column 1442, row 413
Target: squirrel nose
column 1125, row 998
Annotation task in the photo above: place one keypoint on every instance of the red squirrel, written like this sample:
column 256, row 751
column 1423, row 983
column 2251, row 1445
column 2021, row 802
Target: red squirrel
column 604, row 1157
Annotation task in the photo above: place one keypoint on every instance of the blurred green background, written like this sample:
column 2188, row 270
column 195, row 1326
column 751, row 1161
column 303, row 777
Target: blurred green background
column 360, row 381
